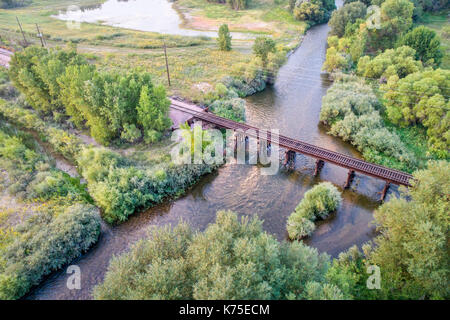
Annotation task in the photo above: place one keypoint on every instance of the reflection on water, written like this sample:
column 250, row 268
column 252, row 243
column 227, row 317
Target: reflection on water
column 292, row 105
column 144, row 15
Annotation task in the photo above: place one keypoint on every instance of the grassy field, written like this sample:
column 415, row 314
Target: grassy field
column 263, row 16
column 437, row 22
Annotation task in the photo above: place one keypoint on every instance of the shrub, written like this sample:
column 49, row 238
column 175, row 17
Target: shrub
column 120, row 188
column 29, row 172
column 231, row 259
column 233, row 109
column 62, row 142
column 45, row 243
column 318, row 203
column 395, row 19
column 412, row 246
column 130, row 133
column 7, row 4
column 350, row 109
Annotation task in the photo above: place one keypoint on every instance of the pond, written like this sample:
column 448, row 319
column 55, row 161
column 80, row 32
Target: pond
column 143, row 15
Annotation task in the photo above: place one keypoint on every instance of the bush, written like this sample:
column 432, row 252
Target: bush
column 318, row 203
column 30, row 174
column 45, row 243
column 130, row 133
column 7, row 4
column 234, row 4
column 422, row 98
column 262, row 47
column 120, row 188
column 233, row 109
column 350, row 109
column 399, row 62
column 395, row 20
column 62, row 142
column 231, row 259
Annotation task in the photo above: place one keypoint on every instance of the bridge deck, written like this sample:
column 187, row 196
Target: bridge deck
column 367, row 168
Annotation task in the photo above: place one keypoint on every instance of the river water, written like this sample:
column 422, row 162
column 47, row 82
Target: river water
column 291, row 105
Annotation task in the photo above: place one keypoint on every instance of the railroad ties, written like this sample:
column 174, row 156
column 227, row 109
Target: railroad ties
column 293, row 146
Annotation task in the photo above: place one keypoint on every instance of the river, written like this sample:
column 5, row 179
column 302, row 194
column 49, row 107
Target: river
column 292, row 105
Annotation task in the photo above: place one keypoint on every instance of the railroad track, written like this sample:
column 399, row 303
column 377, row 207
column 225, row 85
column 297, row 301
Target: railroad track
column 389, row 175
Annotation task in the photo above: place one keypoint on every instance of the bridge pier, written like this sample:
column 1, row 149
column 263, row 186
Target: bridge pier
column 289, row 158
column 319, row 166
column 239, row 139
column 385, row 190
column 350, row 176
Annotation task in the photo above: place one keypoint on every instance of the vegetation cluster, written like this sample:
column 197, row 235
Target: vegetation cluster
column 111, row 104
column 317, row 203
column 60, row 225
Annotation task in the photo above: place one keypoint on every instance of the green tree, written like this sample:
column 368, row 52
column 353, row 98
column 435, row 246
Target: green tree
column 400, row 61
column 426, row 43
column 153, row 111
column 396, row 18
column 412, row 247
column 313, row 11
column 224, row 39
column 422, row 98
column 349, row 13
column 262, row 47
column 412, row 250
column 231, row 259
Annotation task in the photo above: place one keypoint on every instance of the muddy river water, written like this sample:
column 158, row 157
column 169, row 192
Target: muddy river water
column 291, row 105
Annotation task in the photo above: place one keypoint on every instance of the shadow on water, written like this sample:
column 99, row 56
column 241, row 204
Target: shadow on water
column 292, row 105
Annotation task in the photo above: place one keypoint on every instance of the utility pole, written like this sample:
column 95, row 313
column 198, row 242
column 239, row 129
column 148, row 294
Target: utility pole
column 40, row 35
column 167, row 63
column 21, row 30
